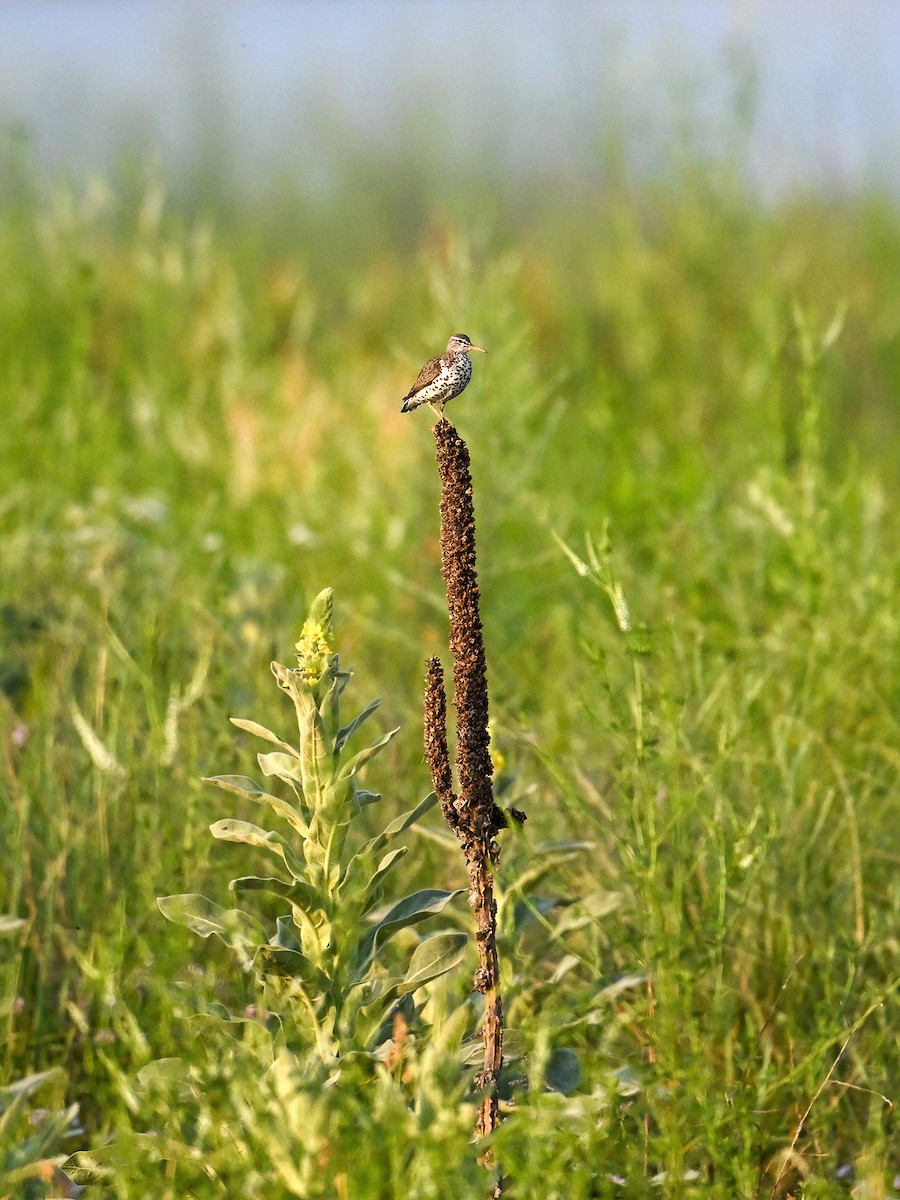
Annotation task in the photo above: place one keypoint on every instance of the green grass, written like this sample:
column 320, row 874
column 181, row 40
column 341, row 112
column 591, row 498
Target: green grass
column 199, row 434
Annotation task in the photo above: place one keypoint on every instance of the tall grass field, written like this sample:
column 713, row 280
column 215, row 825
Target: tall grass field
column 684, row 444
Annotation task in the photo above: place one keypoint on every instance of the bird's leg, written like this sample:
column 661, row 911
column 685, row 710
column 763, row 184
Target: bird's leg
column 439, row 415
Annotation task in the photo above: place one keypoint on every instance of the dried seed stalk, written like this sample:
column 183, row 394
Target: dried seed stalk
column 472, row 814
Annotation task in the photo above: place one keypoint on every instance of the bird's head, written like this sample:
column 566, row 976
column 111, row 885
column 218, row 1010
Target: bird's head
column 461, row 343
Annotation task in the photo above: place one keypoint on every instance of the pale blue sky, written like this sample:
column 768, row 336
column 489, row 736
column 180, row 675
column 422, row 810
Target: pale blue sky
column 527, row 85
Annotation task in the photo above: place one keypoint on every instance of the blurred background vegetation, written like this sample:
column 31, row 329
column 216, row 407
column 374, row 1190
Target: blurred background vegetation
column 689, row 409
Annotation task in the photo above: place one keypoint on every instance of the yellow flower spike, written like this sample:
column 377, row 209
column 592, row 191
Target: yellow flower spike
column 313, row 651
column 313, row 640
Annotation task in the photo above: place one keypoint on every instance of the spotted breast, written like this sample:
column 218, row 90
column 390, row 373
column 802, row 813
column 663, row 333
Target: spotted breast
column 444, row 377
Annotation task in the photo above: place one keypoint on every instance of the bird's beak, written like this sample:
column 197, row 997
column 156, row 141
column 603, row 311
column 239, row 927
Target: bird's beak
column 481, row 348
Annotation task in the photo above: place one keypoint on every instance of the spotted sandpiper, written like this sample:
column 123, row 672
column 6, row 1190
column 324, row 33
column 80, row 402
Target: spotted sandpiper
column 443, row 377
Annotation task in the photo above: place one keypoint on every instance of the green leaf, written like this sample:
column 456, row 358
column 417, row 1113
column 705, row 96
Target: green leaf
column 625, row 983
column 402, row 823
column 251, row 835
column 330, row 704
column 471, row 1051
column 315, row 761
column 383, row 867
column 362, row 798
column 282, row 766
column 162, row 1071
column 240, row 785
column 563, row 1071
column 362, row 862
column 91, row 1166
column 388, row 861
column 170, row 1076
column 344, row 735
column 266, row 734
column 289, row 964
column 286, row 935
column 296, row 687
column 408, row 911
column 298, row 892
column 338, row 805
column 359, row 760
column 235, row 927
column 432, row 958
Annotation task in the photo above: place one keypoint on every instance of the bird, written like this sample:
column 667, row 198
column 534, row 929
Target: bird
column 443, row 377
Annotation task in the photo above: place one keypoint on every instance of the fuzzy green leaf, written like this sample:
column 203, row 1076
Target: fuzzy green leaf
column 369, row 890
column 296, row 687
column 359, row 760
column 344, row 735
column 266, row 734
column 330, row 704
column 315, row 760
column 297, row 892
column 286, row 935
column 240, row 785
column 409, row 911
column 373, row 884
column 471, row 1051
column 251, row 835
column 401, row 824
column 338, row 805
column 432, row 958
column 388, row 861
column 86, row 1167
column 282, row 766
column 290, row 964
column 203, row 916
column 394, row 829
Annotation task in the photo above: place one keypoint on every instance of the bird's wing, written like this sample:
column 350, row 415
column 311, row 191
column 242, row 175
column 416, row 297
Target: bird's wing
column 429, row 372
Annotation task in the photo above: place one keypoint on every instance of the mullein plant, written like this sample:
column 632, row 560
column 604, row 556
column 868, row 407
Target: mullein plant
column 324, row 962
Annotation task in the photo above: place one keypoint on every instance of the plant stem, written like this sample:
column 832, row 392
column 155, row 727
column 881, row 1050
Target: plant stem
column 472, row 814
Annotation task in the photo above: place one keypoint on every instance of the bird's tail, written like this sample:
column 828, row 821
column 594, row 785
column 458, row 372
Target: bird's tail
column 409, row 403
